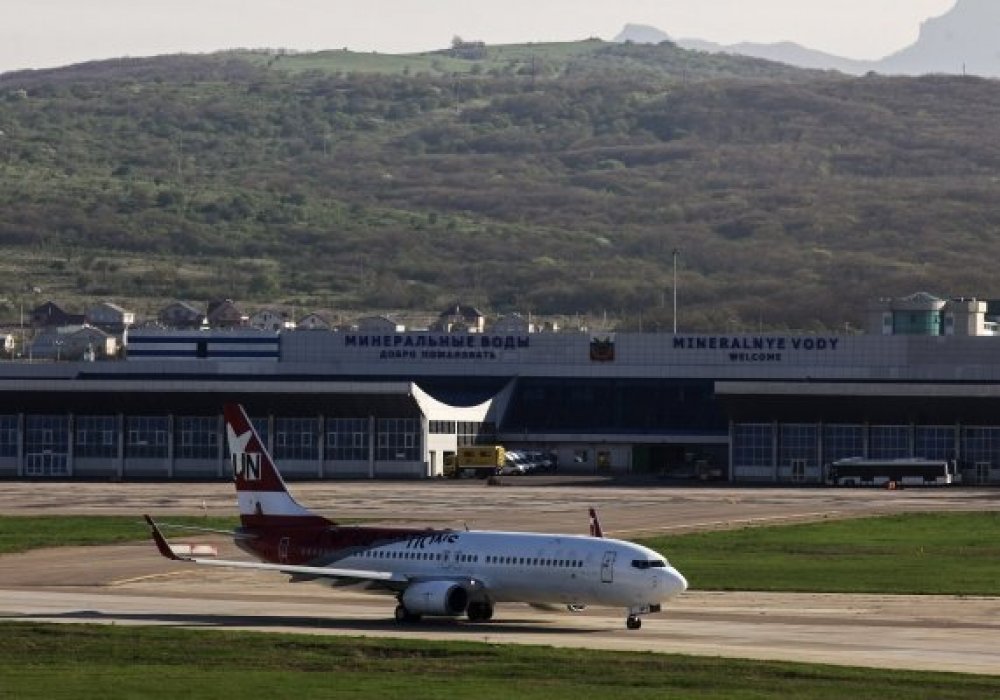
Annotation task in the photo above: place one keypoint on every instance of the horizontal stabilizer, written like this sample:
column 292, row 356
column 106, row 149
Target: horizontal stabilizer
column 195, row 550
column 180, row 554
column 235, row 534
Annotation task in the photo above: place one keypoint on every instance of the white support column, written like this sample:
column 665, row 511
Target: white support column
column 425, row 446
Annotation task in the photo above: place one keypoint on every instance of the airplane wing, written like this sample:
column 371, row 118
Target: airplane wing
column 387, row 577
column 214, row 531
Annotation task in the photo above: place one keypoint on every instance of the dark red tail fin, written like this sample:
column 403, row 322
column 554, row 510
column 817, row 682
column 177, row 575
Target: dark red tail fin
column 263, row 497
column 595, row 524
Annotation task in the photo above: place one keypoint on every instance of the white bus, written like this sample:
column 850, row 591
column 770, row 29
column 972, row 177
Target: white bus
column 913, row 471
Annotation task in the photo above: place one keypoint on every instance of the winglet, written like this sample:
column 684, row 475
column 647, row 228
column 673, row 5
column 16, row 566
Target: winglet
column 595, row 524
column 161, row 541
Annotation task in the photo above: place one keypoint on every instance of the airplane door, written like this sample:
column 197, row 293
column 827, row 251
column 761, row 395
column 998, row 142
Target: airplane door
column 608, row 567
column 283, row 547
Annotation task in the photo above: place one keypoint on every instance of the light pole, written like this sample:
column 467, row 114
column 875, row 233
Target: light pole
column 674, row 254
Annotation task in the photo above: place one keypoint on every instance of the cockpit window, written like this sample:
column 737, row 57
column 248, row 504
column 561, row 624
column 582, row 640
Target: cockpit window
column 649, row 563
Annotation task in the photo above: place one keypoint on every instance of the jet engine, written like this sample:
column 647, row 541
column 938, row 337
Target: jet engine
column 436, row 598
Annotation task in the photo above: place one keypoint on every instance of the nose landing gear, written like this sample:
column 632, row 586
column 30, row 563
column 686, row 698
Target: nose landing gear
column 633, row 621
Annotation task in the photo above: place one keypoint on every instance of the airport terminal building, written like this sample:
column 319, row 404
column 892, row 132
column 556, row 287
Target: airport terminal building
column 764, row 408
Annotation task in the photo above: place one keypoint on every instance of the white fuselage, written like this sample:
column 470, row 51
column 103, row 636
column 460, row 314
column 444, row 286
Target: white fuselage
column 531, row 568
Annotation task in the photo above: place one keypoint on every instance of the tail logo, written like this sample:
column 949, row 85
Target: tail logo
column 247, row 466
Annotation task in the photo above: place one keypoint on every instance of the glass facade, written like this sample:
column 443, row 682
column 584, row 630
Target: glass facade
column 799, row 443
column 935, row 442
column 296, row 438
column 758, row 450
column 8, row 436
column 146, row 437
column 398, row 440
column 890, row 442
column 980, row 445
column 472, row 433
column 753, row 445
column 96, row 436
column 441, row 427
column 46, row 446
column 916, row 323
column 347, row 439
column 842, row 442
column 632, row 406
column 196, row 437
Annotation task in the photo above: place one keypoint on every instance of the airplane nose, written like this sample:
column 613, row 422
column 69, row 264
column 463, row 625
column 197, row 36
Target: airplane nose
column 682, row 583
column 675, row 582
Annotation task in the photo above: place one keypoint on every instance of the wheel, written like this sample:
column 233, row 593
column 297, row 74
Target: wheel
column 633, row 622
column 480, row 612
column 404, row 616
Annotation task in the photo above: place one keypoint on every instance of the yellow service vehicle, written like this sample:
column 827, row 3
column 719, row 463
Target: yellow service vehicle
column 483, row 461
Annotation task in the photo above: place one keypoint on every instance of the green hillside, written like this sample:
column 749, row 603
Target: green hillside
column 544, row 178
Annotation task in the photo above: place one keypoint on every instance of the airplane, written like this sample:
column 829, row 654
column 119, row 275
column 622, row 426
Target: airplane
column 433, row 572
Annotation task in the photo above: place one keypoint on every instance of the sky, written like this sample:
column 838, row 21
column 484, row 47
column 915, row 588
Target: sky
column 47, row 33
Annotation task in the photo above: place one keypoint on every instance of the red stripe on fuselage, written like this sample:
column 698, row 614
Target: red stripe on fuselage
column 269, row 524
column 334, row 542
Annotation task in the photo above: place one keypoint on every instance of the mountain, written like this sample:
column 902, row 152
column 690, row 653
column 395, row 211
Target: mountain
column 641, row 34
column 783, row 52
column 963, row 40
column 547, row 179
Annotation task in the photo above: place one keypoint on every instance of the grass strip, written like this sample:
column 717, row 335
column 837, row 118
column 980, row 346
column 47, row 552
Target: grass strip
column 918, row 554
column 23, row 533
column 84, row 661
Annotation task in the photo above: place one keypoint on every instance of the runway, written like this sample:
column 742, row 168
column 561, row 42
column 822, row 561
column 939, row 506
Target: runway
column 132, row 584
column 939, row 634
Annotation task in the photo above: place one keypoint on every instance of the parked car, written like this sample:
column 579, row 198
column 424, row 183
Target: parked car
column 541, row 461
column 515, row 463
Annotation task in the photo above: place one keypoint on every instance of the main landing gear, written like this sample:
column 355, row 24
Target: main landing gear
column 404, row 616
column 633, row 622
column 480, row 611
